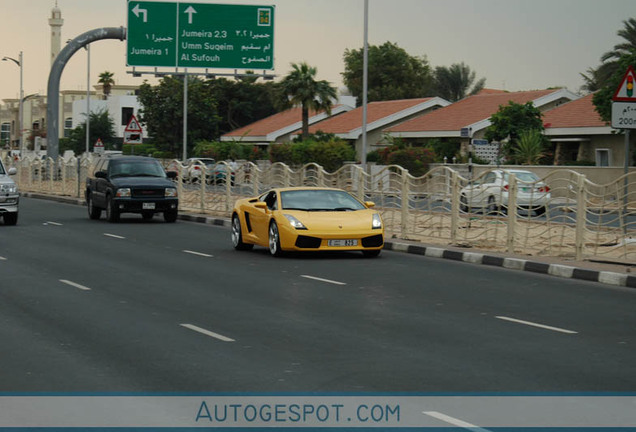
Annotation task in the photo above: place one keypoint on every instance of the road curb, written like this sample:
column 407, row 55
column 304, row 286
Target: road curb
column 558, row 270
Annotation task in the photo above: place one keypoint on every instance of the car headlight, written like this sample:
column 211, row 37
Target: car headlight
column 9, row 188
column 295, row 222
column 171, row 192
column 123, row 193
column 376, row 223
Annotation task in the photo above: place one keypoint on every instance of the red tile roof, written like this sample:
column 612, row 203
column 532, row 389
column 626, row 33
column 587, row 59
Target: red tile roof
column 272, row 123
column 352, row 120
column 467, row 111
column 575, row 114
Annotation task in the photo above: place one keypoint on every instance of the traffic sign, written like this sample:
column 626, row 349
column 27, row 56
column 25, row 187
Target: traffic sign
column 624, row 115
column 133, row 125
column 200, row 35
column 625, row 91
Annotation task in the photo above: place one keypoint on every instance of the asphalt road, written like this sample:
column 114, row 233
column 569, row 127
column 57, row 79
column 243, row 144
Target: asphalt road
column 89, row 306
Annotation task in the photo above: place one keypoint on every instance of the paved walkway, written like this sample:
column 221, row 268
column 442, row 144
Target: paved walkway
column 609, row 273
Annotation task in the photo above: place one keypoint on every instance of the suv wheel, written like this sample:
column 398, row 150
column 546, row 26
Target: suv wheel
column 93, row 212
column 111, row 212
column 10, row 218
column 170, row 215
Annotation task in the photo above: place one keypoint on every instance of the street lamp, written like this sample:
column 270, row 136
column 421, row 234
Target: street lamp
column 20, row 64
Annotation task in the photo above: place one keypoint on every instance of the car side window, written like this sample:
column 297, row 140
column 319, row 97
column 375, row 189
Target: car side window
column 490, row 178
column 271, row 201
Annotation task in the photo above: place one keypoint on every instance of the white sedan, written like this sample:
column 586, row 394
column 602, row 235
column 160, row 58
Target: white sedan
column 491, row 193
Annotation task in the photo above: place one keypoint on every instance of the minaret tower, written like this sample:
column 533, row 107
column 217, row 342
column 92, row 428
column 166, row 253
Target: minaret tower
column 56, row 23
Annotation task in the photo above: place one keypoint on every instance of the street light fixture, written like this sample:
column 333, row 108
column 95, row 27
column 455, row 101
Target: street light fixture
column 20, row 64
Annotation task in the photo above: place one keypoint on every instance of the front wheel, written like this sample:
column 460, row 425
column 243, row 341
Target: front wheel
column 492, row 208
column 10, row 218
column 170, row 215
column 274, row 240
column 93, row 212
column 112, row 214
column 237, row 235
column 463, row 203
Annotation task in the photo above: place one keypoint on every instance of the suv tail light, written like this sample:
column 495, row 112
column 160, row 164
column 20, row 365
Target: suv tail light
column 545, row 189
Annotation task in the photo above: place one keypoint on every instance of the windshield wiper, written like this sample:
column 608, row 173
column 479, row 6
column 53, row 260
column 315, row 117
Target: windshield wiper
column 344, row 209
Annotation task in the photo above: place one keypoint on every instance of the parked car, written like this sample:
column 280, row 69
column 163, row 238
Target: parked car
column 307, row 219
column 131, row 184
column 491, row 193
column 218, row 174
column 195, row 168
column 9, row 196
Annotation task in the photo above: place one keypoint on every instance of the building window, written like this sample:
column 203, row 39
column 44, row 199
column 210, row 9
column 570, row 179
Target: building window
column 5, row 134
column 35, row 126
column 68, row 126
column 126, row 115
column 603, row 157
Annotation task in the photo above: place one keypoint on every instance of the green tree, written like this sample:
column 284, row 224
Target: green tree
column 162, row 112
column 107, row 81
column 243, row 101
column 101, row 127
column 510, row 121
column 457, row 81
column 393, row 73
column 300, row 87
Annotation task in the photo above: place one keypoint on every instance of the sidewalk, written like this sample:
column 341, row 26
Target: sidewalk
column 609, row 273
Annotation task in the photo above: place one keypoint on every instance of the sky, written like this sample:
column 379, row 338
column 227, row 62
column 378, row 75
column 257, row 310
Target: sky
column 515, row 44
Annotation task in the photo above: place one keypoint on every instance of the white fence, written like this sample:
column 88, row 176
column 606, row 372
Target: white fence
column 580, row 219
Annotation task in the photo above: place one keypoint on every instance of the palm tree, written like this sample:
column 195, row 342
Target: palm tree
column 301, row 88
column 107, row 81
column 529, row 150
column 453, row 83
column 596, row 79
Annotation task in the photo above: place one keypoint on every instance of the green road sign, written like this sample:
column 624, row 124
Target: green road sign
column 199, row 35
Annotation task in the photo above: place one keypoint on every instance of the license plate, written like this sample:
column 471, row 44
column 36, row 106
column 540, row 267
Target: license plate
column 148, row 206
column 341, row 243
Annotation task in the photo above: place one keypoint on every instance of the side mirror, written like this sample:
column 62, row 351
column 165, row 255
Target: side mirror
column 260, row 205
column 369, row 204
column 101, row 174
column 171, row 175
column 12, row 171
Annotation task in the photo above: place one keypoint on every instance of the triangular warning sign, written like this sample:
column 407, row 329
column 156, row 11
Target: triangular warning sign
column 625, row 92
column 133, row 125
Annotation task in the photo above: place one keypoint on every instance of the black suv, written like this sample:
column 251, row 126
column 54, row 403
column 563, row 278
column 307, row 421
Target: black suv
column 131, row 184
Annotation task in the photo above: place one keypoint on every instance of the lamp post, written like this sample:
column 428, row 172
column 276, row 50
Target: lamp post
column 20, row 64
column 88, row 96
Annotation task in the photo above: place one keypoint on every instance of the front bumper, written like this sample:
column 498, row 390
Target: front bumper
column 155, row 205
column 9, row 204
column 292, row 239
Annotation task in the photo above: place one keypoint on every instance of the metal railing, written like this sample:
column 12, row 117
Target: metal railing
column 577, row 218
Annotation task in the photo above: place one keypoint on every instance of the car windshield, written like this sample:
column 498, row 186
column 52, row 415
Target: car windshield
column 524, row 176
column 150, row 168
column 319, row 200
column 2, row 171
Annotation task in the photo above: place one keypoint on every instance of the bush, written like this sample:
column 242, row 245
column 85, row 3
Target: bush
column 228, row 150
column 331, row 154
column 414, row 159
column 138, row 149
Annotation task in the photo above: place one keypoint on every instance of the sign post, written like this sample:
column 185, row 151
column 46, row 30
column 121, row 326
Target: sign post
column 624, row 117
column 200, row 35
column 133, row 132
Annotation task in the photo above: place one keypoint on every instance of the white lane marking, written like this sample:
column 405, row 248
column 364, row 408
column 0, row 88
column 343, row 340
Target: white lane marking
column 198, row 254
column 2, row 258
column 76, row 285
column 546, row 327
column 452, row 420
column 114, row 236
column 323, row 280
column 52, row 223
column 207, row 332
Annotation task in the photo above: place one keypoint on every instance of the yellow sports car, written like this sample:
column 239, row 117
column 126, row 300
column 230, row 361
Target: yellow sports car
column 307, row 219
